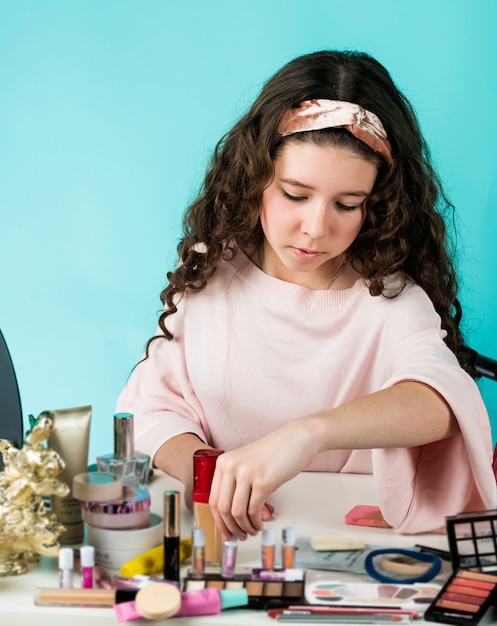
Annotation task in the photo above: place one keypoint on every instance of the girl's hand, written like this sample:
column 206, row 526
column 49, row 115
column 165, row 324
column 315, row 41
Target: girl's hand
column 244, row 478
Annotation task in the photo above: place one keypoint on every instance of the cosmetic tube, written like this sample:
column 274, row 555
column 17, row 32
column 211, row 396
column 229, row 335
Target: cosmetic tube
column 229, row 558
column 198, row 552
column 204, row 465
column 66, row 565
column 87, row 559
column 70, row 437
column 288, row 547
column 268, row 547
column 82, row 597
column 171, row 534
column 131, row 466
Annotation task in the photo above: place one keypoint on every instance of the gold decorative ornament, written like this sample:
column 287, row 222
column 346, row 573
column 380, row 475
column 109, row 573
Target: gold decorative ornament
column 27, row 528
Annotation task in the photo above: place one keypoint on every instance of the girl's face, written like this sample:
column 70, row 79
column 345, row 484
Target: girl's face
column 313, row 210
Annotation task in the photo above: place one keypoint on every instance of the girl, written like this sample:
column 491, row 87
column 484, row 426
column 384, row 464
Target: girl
column 313, row 322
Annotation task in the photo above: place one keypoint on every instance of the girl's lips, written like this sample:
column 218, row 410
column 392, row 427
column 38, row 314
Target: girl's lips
column 306, row 254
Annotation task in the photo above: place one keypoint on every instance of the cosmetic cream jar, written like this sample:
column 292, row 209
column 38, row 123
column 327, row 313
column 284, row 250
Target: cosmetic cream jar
column 141, row 539
column 132, row 511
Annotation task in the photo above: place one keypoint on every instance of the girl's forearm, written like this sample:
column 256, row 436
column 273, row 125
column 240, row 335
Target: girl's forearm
column 408, row 414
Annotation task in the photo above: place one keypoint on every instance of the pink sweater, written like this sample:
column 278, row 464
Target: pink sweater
column 251, row 352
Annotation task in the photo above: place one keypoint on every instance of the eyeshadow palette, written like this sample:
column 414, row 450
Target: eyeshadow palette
column 386, row 595
column 468, row 597
column 265, row 589
column 473, row 540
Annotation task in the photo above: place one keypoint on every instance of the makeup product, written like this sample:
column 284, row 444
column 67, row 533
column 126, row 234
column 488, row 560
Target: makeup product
column 158, row 603
column 87, row 559
column 97, row 487
column 204, row 465
column 391, row 565
column 152, row 561
column 137, row 582
column 366, row 515
column 371, row 595
column 468, row 597
column 66, row 565
column 132, row 466
column 335, row 543
column 288, row 546
column 307, row 609
column 82, row 597
column 472, row 540
column 131, row 511
column 102, row 578
column 171, row 534
column 305, row 617
column 229, row 558
column 268, row 547
column 262, row 592
column 70, row 438
column 198, row 552
column 289, row 573
column 137, row 539
column 115, row 559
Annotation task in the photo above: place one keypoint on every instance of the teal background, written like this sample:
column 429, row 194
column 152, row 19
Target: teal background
column 108, row 112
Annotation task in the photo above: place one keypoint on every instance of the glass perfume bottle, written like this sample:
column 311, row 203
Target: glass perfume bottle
column 131, row 466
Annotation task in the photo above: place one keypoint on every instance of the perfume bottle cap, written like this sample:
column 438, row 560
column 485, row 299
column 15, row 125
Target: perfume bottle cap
column 124, row 444
column 231, row 598
column 204, row 464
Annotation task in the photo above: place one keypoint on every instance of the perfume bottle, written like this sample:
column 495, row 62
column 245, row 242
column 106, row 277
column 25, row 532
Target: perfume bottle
column 131, row 466
column 204, row 464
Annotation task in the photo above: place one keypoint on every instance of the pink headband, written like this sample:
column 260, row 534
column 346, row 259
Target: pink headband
column 320, row 114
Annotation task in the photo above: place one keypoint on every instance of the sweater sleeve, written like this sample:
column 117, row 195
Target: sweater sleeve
column 418, row 487
column 160, row 395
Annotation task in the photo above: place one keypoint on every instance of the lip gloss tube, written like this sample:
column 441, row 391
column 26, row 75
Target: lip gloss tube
column 229, row 558
column 66, row 565
column 268, row 547
column 87, row 557
column 288, row 547
column 198, row 552
column 171, row 534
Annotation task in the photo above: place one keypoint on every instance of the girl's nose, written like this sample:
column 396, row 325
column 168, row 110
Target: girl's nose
column 315, row 220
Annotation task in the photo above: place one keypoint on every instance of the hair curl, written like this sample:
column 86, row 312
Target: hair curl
column 406, row 215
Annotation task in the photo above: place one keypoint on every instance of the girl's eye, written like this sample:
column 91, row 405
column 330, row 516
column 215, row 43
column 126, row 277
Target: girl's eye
column 293, row 198
column 348, row 207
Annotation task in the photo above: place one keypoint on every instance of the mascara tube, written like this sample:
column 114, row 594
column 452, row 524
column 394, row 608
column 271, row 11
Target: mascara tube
column 171, row 535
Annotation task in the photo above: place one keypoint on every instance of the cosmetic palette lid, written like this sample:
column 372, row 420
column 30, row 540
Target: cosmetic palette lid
column 158, row 601
column 231, row 598
column 204, row 464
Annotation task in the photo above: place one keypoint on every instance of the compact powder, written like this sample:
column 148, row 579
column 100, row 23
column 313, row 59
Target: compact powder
column 158, row 601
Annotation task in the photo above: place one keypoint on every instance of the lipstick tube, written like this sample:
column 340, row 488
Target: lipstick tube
column 171, row 534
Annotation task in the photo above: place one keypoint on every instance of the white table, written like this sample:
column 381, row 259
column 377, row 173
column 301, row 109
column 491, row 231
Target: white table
column 311, row 502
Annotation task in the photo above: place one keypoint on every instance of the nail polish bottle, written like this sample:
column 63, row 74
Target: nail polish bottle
column 204, row 464
column 131, row 466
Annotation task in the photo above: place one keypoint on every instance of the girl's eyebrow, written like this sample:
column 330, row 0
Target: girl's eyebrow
column 296, row 183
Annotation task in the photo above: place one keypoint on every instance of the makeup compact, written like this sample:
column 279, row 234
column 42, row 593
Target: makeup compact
column 468, row 597
column 265, row 588
column 132, row 510
column 472, row 540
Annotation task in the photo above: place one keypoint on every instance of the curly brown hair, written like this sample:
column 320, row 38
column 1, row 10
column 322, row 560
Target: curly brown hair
column 405, row 227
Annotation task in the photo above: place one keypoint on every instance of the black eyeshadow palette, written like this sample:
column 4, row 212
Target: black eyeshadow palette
column 265, row 588
column 472, row 540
